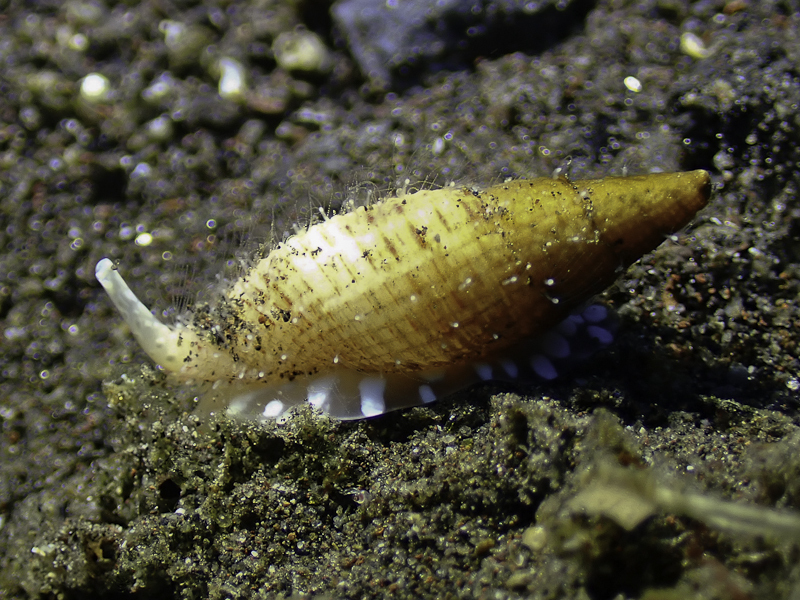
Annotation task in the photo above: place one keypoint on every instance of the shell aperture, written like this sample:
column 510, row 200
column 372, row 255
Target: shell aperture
column 401, row 302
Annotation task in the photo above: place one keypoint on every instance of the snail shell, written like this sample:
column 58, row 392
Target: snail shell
column 400, row 302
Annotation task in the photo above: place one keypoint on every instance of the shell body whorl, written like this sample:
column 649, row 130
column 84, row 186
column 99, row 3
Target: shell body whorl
column 433, row 279
column 447, row 276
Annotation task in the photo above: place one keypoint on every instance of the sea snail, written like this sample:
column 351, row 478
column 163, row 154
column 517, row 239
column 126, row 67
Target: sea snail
column 399, row 303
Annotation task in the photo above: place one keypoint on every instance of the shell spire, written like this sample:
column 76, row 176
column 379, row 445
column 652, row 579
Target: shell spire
column 415, row 285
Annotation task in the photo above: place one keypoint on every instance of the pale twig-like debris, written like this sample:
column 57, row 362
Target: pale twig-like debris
column 629, row 496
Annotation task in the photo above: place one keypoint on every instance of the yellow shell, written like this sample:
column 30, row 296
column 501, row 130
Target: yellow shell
column 371, row 310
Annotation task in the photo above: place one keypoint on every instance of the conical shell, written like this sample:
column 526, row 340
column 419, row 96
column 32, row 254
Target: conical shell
column 446, row 276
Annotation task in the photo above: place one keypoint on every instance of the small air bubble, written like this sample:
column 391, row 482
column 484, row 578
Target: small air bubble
column 550, row 282
column 141, row 171
column 232, row 79
column 78, row 42
column 284, row 356
column 95, row 87
column 632, row 83
column 144, row 239
column 694, row 46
